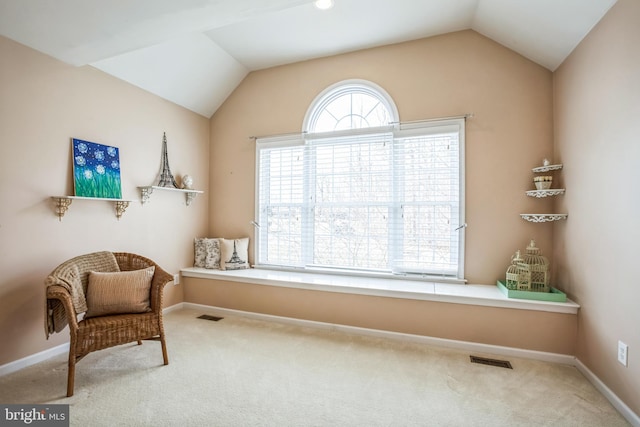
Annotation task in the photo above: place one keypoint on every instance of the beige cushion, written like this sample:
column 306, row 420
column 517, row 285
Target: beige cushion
column 234, row 254
column 117, row 293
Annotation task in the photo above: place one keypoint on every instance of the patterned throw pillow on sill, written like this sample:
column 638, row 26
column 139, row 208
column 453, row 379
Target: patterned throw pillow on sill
column 207, row 253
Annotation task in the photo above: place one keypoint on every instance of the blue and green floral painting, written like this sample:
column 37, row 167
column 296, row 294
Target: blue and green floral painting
column 96, row 170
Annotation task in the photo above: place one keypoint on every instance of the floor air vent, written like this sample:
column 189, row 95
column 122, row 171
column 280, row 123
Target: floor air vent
column 491, row 362
column 207, row 317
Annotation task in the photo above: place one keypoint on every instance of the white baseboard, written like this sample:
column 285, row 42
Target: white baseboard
column 174, row 307
column 33, row 359
column 566, row 359
column 439, row 342
column 626, row 412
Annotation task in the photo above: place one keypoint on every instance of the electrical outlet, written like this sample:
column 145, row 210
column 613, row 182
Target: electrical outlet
column 176, row 279
column 623, row 351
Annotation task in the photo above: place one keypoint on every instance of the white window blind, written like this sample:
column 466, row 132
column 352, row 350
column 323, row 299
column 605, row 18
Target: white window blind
column 372, row 200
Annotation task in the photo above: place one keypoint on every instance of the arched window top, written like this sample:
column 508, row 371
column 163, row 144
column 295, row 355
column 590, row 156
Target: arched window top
column 350, row 104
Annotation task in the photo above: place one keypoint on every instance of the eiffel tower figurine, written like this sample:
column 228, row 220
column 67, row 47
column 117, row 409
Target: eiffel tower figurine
column 166, row 177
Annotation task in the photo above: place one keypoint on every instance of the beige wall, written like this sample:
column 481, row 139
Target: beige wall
column 553, row 332
column 464, row 72
column 511, row 132
column 44, row 103
column 597, row 111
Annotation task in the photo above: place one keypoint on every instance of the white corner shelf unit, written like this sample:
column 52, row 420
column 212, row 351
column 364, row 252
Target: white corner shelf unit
column 551, row 192
column 147, row 191
column 63, row 203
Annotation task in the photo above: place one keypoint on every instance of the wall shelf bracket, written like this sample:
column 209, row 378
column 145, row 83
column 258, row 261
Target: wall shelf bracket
column 63, row 203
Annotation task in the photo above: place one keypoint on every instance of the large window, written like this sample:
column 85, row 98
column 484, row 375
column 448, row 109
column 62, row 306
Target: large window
column 358, row 191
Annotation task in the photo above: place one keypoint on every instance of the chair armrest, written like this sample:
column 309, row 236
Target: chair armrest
column 61, row 294
column 160, row 279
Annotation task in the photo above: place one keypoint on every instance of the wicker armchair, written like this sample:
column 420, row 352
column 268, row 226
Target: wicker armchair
column 97, row 333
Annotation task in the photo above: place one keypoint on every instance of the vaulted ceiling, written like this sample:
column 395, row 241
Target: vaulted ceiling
column 195, row 52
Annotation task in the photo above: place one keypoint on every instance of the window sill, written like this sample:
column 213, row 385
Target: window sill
column 481, row 295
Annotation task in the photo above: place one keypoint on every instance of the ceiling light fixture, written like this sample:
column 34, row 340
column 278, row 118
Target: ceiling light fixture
column 323, row 4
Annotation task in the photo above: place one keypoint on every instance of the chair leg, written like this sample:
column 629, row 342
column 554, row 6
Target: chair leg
column 139, row 342
column 164, row 350
column 71, row 375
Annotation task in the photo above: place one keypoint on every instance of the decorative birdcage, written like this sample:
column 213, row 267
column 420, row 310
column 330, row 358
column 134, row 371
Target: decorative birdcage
column 538, row 266
column 528, row 273
column 524, row 276
column 513, row 272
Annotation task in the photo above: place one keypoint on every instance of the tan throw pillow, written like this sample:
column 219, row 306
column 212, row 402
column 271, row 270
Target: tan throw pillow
column 118, row 293
column 234, row 254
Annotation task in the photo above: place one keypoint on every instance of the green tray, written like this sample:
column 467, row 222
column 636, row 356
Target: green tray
column 553, row 296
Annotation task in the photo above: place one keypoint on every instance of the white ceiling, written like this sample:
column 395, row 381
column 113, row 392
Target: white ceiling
column 195, row 52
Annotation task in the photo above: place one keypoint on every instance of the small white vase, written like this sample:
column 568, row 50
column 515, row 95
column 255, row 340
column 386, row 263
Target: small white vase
column 187, row 182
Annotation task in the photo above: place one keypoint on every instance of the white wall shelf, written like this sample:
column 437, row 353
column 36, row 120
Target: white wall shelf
column 543, row 217
column 146, row 191
column 547, row 168
column 545, row 193
column 63, row 203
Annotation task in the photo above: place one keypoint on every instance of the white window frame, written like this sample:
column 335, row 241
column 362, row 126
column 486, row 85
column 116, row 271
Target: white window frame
column 399, row 131
column 348, row 86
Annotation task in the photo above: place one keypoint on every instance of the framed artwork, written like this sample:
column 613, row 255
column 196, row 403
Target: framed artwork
column 96, row 170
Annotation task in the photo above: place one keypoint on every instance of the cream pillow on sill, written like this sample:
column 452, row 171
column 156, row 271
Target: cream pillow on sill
column 234, row 254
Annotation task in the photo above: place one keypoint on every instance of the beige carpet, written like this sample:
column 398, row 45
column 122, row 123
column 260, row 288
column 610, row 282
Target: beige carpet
column 243, row 372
